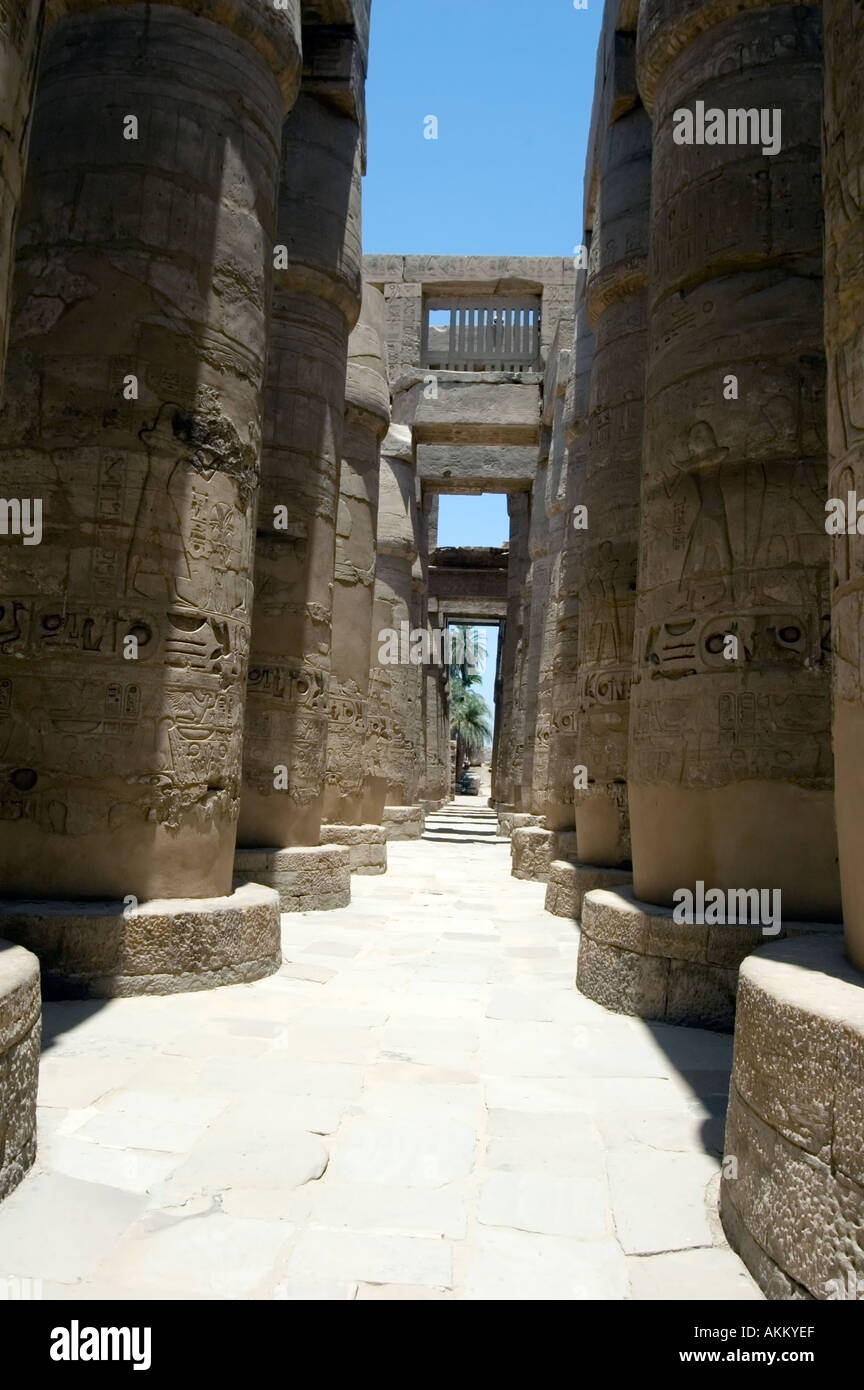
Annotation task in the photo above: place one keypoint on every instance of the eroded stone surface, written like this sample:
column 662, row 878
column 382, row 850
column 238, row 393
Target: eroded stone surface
column 94, row 950
column 307, row 877
column 635, row 958
column 794, row 1206
column 568, row 883
column 20, row 1018
column 534, row 850
column 366, row 846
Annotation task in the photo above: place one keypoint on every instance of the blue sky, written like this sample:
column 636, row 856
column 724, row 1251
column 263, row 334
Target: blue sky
column 511, row 84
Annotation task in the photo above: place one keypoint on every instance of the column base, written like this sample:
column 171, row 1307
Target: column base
column 568, row 883
column 404, row 822
column 20, row 1033
column 795, row 1127
column 533, row 849
column 307, row 878
column 635, row 959
column 92, row 950
column 366, row 845
column 508, row 821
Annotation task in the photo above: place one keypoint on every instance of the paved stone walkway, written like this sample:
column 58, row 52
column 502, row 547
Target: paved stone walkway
column 420, row 1105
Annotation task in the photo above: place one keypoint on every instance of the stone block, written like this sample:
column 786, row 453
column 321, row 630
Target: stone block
column 568, row 883
column 307, row 878
column 508, row 821
column 699, row 995
column 366, row 845
column 462, row 467
column 404, row 822
column 696, row 986
column 623, row 981
column 165, row 946
column 794, row 1207
column 533, row 850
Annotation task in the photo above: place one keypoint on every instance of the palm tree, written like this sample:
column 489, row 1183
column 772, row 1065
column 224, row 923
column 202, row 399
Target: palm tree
column 469, row 722
column 468, row 655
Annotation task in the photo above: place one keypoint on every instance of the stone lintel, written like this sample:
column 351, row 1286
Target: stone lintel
column 455, row 468
column 452, row 585
column 471, row 274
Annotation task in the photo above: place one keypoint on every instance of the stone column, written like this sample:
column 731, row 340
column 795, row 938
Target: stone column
column 568, row 877
column 617, row 309
column 133, row 408
column 20, row 35
column 792, row 1203
column 367, row 417
column 396, row 733
column 518, row 507
column 533, row 846
column 537, row 603
column 556, row 523
column 20, row 1004
column 436, row 783
column 316, row 302
column 844, row 331
column 730, row 758
column 563, row 734
column 731, row 769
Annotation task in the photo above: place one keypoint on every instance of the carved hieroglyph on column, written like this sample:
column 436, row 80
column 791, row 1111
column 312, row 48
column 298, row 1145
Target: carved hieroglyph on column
column 133, row 411
column 396, row 740
column 731, row 769
column 367, row 416
column 316, row 301
column 844, row 333
column 617, row 309
column 20, row 33
column 124, row 635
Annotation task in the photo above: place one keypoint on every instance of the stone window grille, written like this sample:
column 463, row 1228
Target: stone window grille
column 482, row 334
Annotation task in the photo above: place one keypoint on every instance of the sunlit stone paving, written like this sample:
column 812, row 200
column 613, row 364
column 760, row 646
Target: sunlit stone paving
column 417, row 1105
